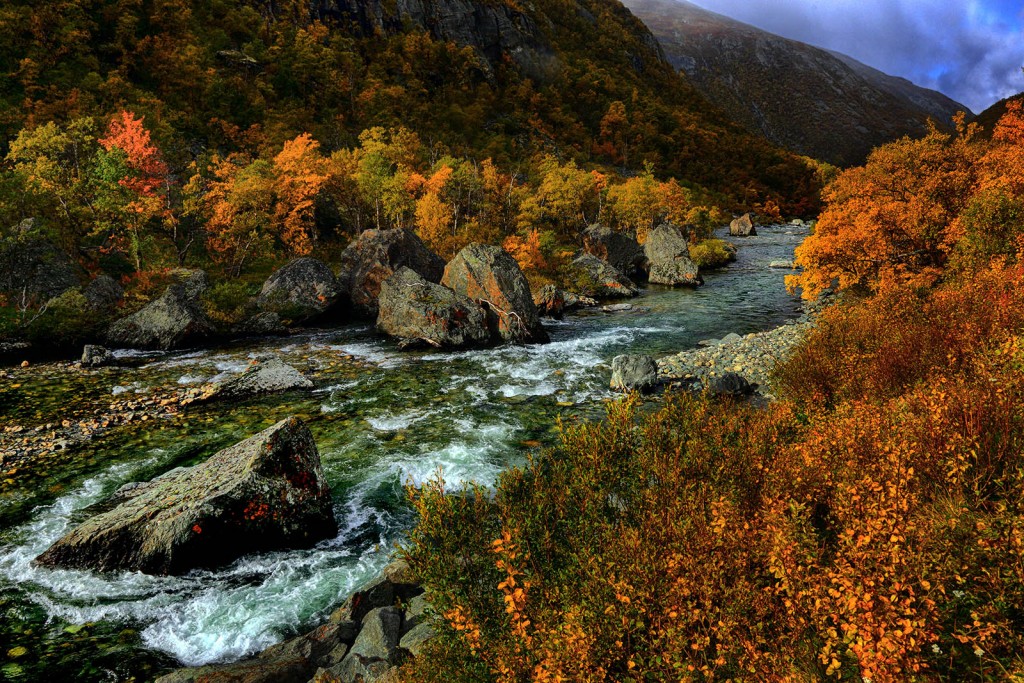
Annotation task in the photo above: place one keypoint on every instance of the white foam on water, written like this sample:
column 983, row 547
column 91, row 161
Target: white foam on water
column 371, row 352
column 201, row 617
column 393, row 423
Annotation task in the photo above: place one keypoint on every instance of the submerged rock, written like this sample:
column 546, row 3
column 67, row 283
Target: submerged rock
column 265, row 493
column 598, row 278
column 488, row 275
column 172, row 321
column 301, row 290
column 743, row 226
column 371, row 259
column 668, row 257
column 634, row 373
column 268, row 376
column 414, row 310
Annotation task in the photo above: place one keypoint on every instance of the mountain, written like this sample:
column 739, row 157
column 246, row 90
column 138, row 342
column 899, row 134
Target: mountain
column 988, row 118
column 819, row 103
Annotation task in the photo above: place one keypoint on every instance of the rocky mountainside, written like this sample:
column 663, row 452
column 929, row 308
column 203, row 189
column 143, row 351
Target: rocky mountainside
column 988, row 118
column 819, row 103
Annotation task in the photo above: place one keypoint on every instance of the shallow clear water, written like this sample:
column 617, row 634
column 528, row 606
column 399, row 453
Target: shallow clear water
column 382, row 418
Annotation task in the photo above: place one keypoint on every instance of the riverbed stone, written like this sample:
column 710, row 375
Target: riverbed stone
column 268, row 376
column 491, row 277
column 267, row 492
column 395, row 582
column 618, row 249
column 172, row 321
column 730, row 384
column 743, row 226
column 600, row 279
column 419, row 312
column 667, row 254
column 372, row 258
column 301, row 290
column 634, row 372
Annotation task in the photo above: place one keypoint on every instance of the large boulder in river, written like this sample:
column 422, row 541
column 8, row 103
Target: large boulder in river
column 634, row 373
column 33, row 271
column 171, row 321
column 743, row 226
column 620, row 250
column 489, row 276
column 668, row 257
column 371, row 259
column 265, row 493
column 416, row 311
column 598, row 278
column 268, row 376
column 300, row 290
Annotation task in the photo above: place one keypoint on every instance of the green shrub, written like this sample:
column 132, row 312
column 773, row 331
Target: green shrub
column 228, row 302
column 712, row 253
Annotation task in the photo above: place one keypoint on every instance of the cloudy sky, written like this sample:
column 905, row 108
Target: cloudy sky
column 971, row 50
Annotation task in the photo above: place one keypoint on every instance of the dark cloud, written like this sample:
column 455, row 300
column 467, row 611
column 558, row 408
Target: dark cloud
column 971, row 50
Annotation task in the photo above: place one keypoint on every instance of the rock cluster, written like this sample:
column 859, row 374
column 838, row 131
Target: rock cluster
column 414, row 310
column 750, row 357
column 667, row 258
column 374, row 256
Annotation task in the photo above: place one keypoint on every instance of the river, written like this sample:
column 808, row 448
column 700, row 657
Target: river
column 382, row 418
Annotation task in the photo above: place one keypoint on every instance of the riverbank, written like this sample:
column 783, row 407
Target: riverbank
column 752, row 356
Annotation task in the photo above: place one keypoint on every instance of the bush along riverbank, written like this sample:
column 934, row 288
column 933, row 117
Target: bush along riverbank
column 867, row 525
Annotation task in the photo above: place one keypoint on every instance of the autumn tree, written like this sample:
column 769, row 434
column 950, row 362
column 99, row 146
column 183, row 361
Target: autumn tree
column 300, row 173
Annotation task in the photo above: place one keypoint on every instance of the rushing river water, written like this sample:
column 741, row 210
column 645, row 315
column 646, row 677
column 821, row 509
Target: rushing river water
column 382, row 418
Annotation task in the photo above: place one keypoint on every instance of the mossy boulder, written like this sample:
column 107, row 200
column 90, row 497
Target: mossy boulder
column 265, row 493
column 598, row 278
column 618, row 249
column 491, row 277
column 303, row 289
column 419, row 312
column 172, row 321
column 372, row 258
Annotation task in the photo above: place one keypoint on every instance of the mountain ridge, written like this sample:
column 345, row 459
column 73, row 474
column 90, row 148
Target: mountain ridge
column 813, row 101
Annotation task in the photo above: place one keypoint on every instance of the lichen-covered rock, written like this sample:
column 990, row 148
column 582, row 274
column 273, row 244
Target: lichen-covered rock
column 552, row 302
column 667, row 254
column 743, row 226
column 171, row 321
column 619, row 250
column 94, row 356
column 262, row 324
column 378, row 639
column 303, row 289
column 415, row 311
column 599, row 279
column 488, row 275
column 416, row 638
column 269, row 376
column 103, row 293
column 265, row 493
column 372, row 258
column 634, row 373
column 193, row 280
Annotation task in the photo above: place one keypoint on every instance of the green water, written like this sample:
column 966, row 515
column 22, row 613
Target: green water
column 382, row 418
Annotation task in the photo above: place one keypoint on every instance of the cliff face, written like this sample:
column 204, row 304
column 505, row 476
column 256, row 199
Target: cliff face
column 494, row 30
column 822, row 104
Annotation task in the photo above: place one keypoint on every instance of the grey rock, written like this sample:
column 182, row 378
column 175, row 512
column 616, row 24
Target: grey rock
column 732, row 338
column 372, row 258
column 667, row 254
column 782, row 264
column 357, row 669
column 380, row 634
column 265, row 493
column 285, row 670
column 415, row 639
column 617, row 308
column 301, row 290
column 743, row 226
column 103, row 293
column 416, row 311
column 395, row 582
column 172, row 321
column 619, row 250
column 262, row 324
column 488, row 275
column 634, row 373
column 553, row 302
column 193, row 280
column 94, row 356
column 730, row 384
column 268, row 376
column 415, row 613
column 599, row 279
